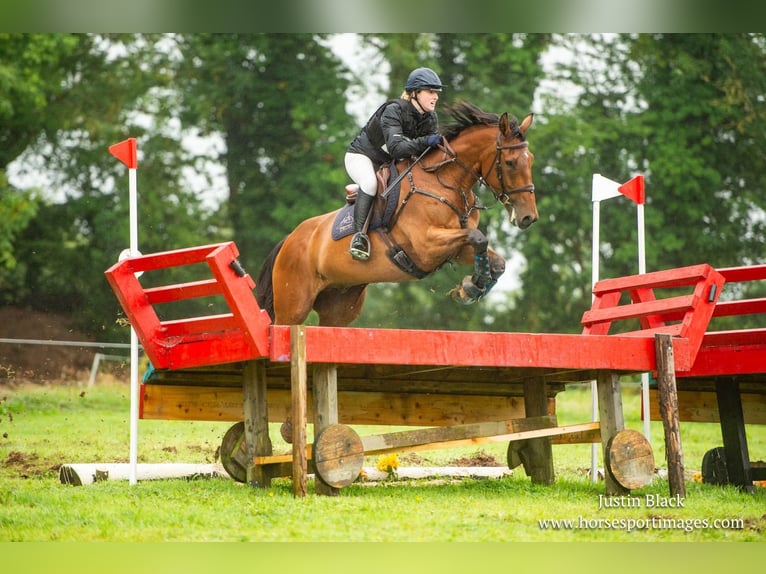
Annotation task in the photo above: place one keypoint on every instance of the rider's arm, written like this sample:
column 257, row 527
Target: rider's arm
column 398, row 144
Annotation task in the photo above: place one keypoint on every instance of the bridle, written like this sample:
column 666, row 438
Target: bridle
column 504, row 196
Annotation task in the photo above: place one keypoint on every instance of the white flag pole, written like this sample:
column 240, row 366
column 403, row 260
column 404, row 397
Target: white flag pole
column 603, row 188
column 594, row 279
column 134, row 387
column 126, row 152
column 641, row 270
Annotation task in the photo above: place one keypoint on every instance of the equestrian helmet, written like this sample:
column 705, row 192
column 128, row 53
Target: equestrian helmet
column 423, row 79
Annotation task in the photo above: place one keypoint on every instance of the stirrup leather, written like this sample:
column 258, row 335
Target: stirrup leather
column 360, row 246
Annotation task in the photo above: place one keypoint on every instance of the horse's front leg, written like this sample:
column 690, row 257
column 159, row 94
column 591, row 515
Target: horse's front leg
column 488, row 266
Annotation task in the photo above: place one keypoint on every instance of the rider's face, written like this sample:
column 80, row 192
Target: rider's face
column 428, row 99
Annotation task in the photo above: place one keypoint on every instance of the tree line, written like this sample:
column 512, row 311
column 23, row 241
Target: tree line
column 684, row 110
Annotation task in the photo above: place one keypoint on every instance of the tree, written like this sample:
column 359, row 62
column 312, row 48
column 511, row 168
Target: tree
column 85, row 93
column 279, row 102
column 680, row 109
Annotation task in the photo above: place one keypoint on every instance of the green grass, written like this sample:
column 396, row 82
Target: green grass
column 42, row 427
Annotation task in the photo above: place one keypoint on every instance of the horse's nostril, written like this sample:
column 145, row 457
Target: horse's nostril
column 527, row 221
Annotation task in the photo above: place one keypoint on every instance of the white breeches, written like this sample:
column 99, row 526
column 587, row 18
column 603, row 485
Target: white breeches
column 362, row 171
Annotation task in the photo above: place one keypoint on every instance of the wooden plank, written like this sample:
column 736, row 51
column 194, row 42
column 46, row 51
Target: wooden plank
column 256, row 418
column 298, row 408
column 211, row 349
column 181, row 291
column 666, row 386
column 539, row 451
column 174, row 258
column 679, row 304
column 214, row 403
column 612, row 421
column 211, row 325
column 743, row 307
column 237, row 287
column 702, row 407
column 733, row 433
column 728, row 359
column 391, row 442
column 677, row 277
column 376, row 448
column 744, row 273
column 325, row 400
column 473, row 349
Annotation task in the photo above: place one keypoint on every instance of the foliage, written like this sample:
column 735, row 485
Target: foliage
column 686, row 111
column 278, row 102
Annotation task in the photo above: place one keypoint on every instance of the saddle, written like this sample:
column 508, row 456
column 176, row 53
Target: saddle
column 383, row 208
column 383, row 175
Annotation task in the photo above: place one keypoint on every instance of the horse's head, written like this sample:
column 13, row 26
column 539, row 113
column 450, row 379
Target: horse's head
column 510, row 175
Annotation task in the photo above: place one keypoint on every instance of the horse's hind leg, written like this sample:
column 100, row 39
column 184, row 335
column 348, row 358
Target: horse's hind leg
column 340, row 307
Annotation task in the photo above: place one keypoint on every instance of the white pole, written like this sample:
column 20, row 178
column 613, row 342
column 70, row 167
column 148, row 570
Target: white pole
column 641, row 271
column 595, row 255
column 134, row 388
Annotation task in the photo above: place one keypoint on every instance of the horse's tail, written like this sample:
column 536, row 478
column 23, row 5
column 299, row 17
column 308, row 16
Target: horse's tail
column 264, row 287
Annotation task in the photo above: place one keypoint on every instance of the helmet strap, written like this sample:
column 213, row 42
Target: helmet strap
column 416, row 99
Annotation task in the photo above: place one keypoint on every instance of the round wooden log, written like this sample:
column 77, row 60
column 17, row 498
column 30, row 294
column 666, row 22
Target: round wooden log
column 517, row 454
column 234, row 452
column 286, row 431
column 629, row 459
column 714, row 468
column 338, row 455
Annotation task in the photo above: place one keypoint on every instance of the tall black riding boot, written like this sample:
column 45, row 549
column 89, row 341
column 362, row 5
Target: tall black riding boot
column 360, row 243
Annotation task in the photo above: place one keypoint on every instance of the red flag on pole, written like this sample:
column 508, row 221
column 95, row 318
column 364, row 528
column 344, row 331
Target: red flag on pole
column 634, row 189
column 125, row 151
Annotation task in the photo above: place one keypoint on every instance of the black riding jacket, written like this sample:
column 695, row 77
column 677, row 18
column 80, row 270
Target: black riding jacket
column 396, row 130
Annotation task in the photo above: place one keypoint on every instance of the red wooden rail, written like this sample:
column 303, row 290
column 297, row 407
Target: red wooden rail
column 246, row 332
column 238, row 335
column 740, row 351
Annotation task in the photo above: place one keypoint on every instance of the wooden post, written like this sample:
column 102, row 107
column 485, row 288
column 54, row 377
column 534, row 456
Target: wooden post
column 298, row 407
column 257, row 438
column 325, row 387
column 612, row 422
column 540, row 451
column 733, row 433
column 668, row 399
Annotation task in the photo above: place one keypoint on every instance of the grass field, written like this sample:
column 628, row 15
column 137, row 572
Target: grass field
column 42, row 427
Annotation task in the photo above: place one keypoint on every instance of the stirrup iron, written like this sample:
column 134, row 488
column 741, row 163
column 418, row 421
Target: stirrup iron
column 360, row 246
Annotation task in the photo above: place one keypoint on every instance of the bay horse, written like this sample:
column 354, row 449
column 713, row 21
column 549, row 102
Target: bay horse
column 435, row 222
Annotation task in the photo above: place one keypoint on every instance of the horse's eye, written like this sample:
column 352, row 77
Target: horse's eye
column 511, row 163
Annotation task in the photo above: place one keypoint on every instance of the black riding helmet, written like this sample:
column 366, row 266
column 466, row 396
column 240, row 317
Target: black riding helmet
column 423, row 79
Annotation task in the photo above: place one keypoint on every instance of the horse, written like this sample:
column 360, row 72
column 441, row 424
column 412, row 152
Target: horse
column 435, row 222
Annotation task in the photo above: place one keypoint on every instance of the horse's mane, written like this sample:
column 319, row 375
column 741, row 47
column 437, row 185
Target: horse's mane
column 467, row 115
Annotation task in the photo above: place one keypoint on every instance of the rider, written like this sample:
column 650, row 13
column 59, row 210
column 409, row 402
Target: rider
column 399, row 128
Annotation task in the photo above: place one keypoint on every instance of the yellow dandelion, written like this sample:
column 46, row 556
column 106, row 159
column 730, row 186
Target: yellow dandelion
column 388, row 463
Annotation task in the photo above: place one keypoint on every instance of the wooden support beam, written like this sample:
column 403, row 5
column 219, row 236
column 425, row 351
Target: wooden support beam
column 733, row 433
column 325, row 396
column 666, row 386
column 298, row 384
column 612, row 422
column 408, row 441
column 257, row 440
column 540, row 451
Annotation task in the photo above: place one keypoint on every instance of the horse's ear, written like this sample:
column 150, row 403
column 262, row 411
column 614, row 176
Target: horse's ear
column 504, row 124
column 526, row 122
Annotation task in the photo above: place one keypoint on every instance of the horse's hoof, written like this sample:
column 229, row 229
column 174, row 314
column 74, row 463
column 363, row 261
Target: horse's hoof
column 459, row 296
column 467, row 292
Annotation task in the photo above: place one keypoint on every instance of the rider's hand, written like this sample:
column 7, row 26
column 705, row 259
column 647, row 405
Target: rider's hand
column 434, row 140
